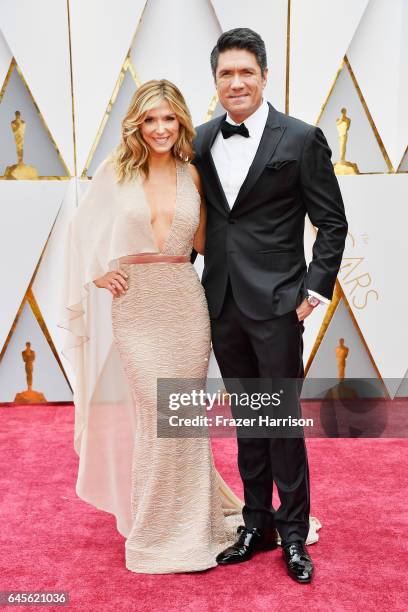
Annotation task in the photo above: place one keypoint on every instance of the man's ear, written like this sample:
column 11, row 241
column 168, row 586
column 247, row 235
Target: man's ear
column 265, row 76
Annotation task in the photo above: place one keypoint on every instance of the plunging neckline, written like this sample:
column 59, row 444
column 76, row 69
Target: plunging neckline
column 149, row 211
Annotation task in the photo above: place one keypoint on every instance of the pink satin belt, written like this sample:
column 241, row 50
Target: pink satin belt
column 144, row 258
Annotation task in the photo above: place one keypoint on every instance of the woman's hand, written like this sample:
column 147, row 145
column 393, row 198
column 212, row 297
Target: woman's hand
column 115, row 282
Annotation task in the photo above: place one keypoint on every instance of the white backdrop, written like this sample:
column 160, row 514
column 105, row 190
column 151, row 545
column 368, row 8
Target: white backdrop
column 71, row 66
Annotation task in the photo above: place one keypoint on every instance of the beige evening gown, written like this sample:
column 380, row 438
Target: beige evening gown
column 161, row 330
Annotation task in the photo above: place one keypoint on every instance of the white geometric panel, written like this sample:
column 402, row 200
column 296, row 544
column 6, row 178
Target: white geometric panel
column 345, row 419
column 268, row 18
column 358, row 363
column 5, row 58
column 111, row 134
column 362, row 146
column 174, row 42
column 213, row 369
column 403, row 388
column 199, row 265
column 29, row 209
column 372, row 273
column 37, row 34
column 38, row 148
column 47, row 375
column 101, row 34
column 404, row 163
column 381, row 70
column 48, row 283
column 320, row 34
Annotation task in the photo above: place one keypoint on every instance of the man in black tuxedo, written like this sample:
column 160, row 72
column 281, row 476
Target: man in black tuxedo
column 262, row 172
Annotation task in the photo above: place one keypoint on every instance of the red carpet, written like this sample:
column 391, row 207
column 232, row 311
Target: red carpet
column 51, row 540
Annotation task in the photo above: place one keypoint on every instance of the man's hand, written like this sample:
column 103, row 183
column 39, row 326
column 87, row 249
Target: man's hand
column 304, row 310
column 114, row 282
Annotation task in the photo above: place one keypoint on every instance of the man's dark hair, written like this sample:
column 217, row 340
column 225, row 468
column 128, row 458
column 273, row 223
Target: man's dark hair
column 240, row 38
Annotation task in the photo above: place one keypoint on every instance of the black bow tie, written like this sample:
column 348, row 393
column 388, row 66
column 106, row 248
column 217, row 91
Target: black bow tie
column 227, row 129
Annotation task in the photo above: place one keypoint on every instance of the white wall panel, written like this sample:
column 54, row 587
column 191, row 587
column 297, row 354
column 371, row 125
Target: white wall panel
column 358, row 363
column 5, row 58
column 28, row 209
column 101, row 34
column 39, row 150
column 404, row 163
column 47, row 375
column 111, row 134
column 372, row 273
column 379, row 58
column 167, row 46
column 403, row 388
column 320, row 34
column 269, row 19
column 362, row 146
column 37, row 34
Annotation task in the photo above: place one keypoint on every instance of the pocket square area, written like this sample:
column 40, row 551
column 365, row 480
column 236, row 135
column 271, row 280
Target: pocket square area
column 277, row 164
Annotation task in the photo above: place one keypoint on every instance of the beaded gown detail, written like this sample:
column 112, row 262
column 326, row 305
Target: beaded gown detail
column 161, row 330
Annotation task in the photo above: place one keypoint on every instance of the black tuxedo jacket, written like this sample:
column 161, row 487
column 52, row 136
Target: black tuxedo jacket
column 258, row 243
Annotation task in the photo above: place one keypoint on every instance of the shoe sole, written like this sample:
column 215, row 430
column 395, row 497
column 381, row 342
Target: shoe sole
column 263, row 549
column 233, row 562
column 308, row 581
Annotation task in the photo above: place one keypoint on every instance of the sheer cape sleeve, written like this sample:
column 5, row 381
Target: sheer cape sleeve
column 100, row 232
column 103, row 229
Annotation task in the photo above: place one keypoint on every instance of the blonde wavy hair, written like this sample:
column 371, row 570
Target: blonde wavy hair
column 131, row 156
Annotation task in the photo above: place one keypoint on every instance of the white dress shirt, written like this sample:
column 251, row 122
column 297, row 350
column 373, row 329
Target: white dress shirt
column 233, row 157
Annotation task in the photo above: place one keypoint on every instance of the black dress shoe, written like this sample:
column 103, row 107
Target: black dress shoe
column 298, row 562
column 249, row 541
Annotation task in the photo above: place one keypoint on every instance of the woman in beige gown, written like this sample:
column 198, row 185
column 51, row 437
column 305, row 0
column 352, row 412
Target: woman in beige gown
column 133, row 235
column 181, row 514
column 161, row 330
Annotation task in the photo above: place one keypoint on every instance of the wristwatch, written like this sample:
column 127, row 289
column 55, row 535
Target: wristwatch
column 313, row 301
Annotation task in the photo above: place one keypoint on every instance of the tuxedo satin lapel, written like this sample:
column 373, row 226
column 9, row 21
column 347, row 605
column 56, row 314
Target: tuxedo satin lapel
column 213, row 180
column 271, row 136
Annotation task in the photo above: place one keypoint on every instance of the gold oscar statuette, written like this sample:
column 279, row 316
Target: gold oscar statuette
column 342, row 352
column 341, row 390
column 29, row 396
column 342, row 166
column 20, row 170
column 225, row 396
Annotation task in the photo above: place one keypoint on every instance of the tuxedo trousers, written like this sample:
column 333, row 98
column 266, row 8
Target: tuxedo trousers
column 248, row 350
